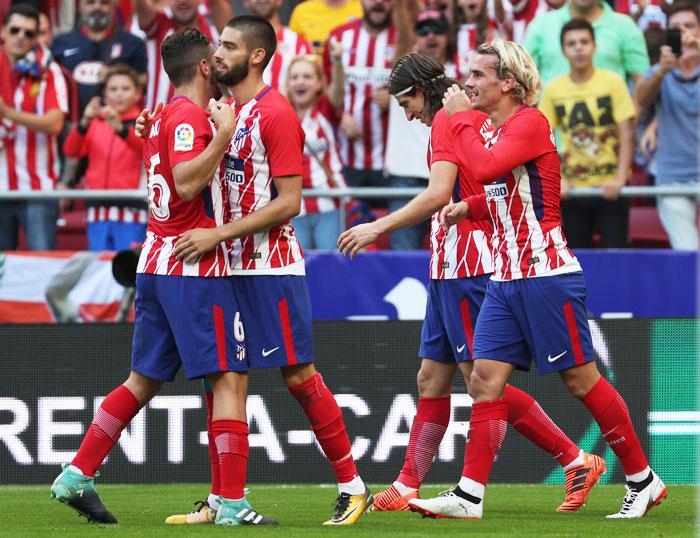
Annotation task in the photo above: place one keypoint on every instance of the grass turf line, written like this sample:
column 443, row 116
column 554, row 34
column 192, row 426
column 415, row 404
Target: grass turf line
column 511, row 510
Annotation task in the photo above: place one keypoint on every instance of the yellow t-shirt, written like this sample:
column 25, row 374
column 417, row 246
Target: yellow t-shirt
column 314, row 20
column 586, row 117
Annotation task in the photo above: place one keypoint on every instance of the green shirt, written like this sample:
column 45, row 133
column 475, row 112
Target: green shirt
column 620, row 45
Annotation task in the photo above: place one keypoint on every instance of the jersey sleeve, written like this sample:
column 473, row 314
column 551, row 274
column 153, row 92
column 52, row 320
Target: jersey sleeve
column 283, row 138
column 527, row 136
column 441, row 145
column 623, row 106
column 56, row 90
column 188, row 132
column 478, row 209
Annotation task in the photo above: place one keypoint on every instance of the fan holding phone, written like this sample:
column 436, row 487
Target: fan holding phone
column 673, row 87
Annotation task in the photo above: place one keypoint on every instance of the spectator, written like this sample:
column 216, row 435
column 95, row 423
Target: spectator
column 319, row 109
column 289, row 43
column 408, row 139
column 673, row 87
column 473, row 25
column 620, row 44
column 105, row 135
column 45, row 36
column 646, row 13
column 367, row 64
column 96, row 44
column 522, row 13
column 314, row 19
column 158, row 25
column 594, row 114
column 28, row 154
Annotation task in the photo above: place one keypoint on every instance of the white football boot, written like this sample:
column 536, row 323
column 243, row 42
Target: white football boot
column 448, row 506
column 640, row 497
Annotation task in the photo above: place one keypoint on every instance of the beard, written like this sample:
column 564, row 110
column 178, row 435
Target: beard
column 369, row 18
column 235, row 75
column 97, row 21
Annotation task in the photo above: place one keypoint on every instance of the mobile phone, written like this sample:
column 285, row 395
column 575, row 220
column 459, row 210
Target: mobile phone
column 673, row 40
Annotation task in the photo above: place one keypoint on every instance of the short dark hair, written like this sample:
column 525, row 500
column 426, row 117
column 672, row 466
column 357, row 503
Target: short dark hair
column 420, row 71
column 576, row 24
column 182, row 52
column 683, row 5
column 122, row 70
column 25, row 10
column 258, row 33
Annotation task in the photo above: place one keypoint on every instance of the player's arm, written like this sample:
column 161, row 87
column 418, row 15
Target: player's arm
column 51, row 122
column 193, row 244
column 437, row 195
column 193, row 175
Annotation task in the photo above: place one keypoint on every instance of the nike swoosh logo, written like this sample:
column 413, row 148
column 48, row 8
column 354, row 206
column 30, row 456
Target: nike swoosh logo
column 460, row 348
column 266, row 353
column 552, row 359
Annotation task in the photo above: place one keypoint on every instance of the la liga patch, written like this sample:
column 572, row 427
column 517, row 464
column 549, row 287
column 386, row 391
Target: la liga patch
column 184, row 137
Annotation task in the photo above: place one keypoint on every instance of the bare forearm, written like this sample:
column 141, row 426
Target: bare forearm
column 194, row 175
column 626, row 152
column 648, row 90
column 404, row 21
column 276, row 212
column 145, row 12
column 336, row 89
column 417, row 210
column 221, row 13
column 50, row 123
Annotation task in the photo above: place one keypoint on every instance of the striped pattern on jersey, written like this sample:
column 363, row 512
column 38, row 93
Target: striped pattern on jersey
column 467, row 37
column 522, row 246
column 368, row 61
column 252, row 188
column 159, row 89
column 523, row 12
column 117, row 214
column 29, row 160
column 320, row 144
column 463, row 251
column 289, row 45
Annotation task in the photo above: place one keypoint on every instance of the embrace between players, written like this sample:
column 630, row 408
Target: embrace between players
column 221, row 199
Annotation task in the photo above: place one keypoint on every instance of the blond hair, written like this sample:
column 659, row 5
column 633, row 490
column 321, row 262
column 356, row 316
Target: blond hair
column 515, row 61
column 314, row 62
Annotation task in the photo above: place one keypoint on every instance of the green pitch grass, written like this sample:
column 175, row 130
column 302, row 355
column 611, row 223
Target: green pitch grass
column 511, row 511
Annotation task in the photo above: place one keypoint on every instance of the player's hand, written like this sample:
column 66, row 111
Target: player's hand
column 453, row 213
column 456, row 100
column 224, row 116
column 381, row 98
column 349, row 127
column 565, row 189
column 611, row 189
column 667, row 60
column 193, row 244
column 143, row 122
column 356, row 238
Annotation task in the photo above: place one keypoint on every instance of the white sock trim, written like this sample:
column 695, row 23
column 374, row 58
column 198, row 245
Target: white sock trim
column 576, row 463
column 472, row 487
column 638, row 477
column 75, row 469
column 355, row 487
column 213, row 501
column 403, row 489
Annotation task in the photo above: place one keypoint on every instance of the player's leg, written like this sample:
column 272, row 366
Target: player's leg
column 433, row 413
column 644, row 488
column 326, row 419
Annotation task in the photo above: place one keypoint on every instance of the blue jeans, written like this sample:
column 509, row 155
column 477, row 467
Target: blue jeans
column 38, row 220
column 108, row 235
column 410, row 238
column 318, row 231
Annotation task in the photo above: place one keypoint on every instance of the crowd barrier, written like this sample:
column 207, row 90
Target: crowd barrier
column 54, row 377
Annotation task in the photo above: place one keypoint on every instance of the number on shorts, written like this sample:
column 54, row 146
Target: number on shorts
column 238, row 331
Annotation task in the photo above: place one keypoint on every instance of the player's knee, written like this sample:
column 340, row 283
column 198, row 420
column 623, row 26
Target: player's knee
column 480, row 387
column 294, row 375
column 143, row 388
column 432, row 383
column 579, row 380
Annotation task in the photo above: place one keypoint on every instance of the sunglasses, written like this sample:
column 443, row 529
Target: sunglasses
column 430, row 29
column 29, row 34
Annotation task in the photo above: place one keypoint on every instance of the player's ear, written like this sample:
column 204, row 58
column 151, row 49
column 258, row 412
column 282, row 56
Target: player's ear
column 257, row 57
column 205, row 68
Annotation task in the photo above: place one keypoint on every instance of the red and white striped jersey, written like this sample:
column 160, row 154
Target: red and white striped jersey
column 268, row 143
column 178, row 134
column 159, row 89
column 29, row 159
column 464, row 250
column 367, row 61
column 651, row 15
column 519, row 168
column 467, row 43
column 117, row 214
column 289, row 45
column 321, row 146
column 521, row 13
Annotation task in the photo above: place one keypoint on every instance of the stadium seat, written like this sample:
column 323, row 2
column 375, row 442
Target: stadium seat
column 71, row 230
column 645, row 228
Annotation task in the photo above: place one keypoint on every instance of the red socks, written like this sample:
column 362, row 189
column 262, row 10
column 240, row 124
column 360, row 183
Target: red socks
column 213, row 455
column 487, row 429
column 610, row 412
column 326, row 420
column 529, row 420
column 116, row 411
column 231, row 441
column 427, row 431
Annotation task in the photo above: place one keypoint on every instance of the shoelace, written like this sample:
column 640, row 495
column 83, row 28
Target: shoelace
column 341, row 504
column 200, row 505
column 628, row 501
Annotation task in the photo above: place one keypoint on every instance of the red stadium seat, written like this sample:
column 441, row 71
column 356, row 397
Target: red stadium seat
column 645, row 228
column 71, row 231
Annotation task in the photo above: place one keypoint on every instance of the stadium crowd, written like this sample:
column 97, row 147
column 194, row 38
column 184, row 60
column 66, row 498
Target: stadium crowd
column 621, row 91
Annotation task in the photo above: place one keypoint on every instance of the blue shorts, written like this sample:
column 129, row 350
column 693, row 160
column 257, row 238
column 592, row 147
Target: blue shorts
column 276, row 310
column 541, row 318
column 191, row 321
column 450, row 316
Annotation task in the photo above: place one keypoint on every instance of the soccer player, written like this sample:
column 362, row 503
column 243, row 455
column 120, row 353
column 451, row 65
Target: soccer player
column 263, row 169
column 534, row 308
column 186, row 313
column 460, row 266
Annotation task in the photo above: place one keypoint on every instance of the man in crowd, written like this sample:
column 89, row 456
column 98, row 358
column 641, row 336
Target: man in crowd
column 314, row 19
column 33, row 108
column 594, row 114
column 673, row 87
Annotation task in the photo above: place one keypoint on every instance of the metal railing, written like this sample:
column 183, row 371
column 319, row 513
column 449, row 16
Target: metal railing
column 139, row 195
